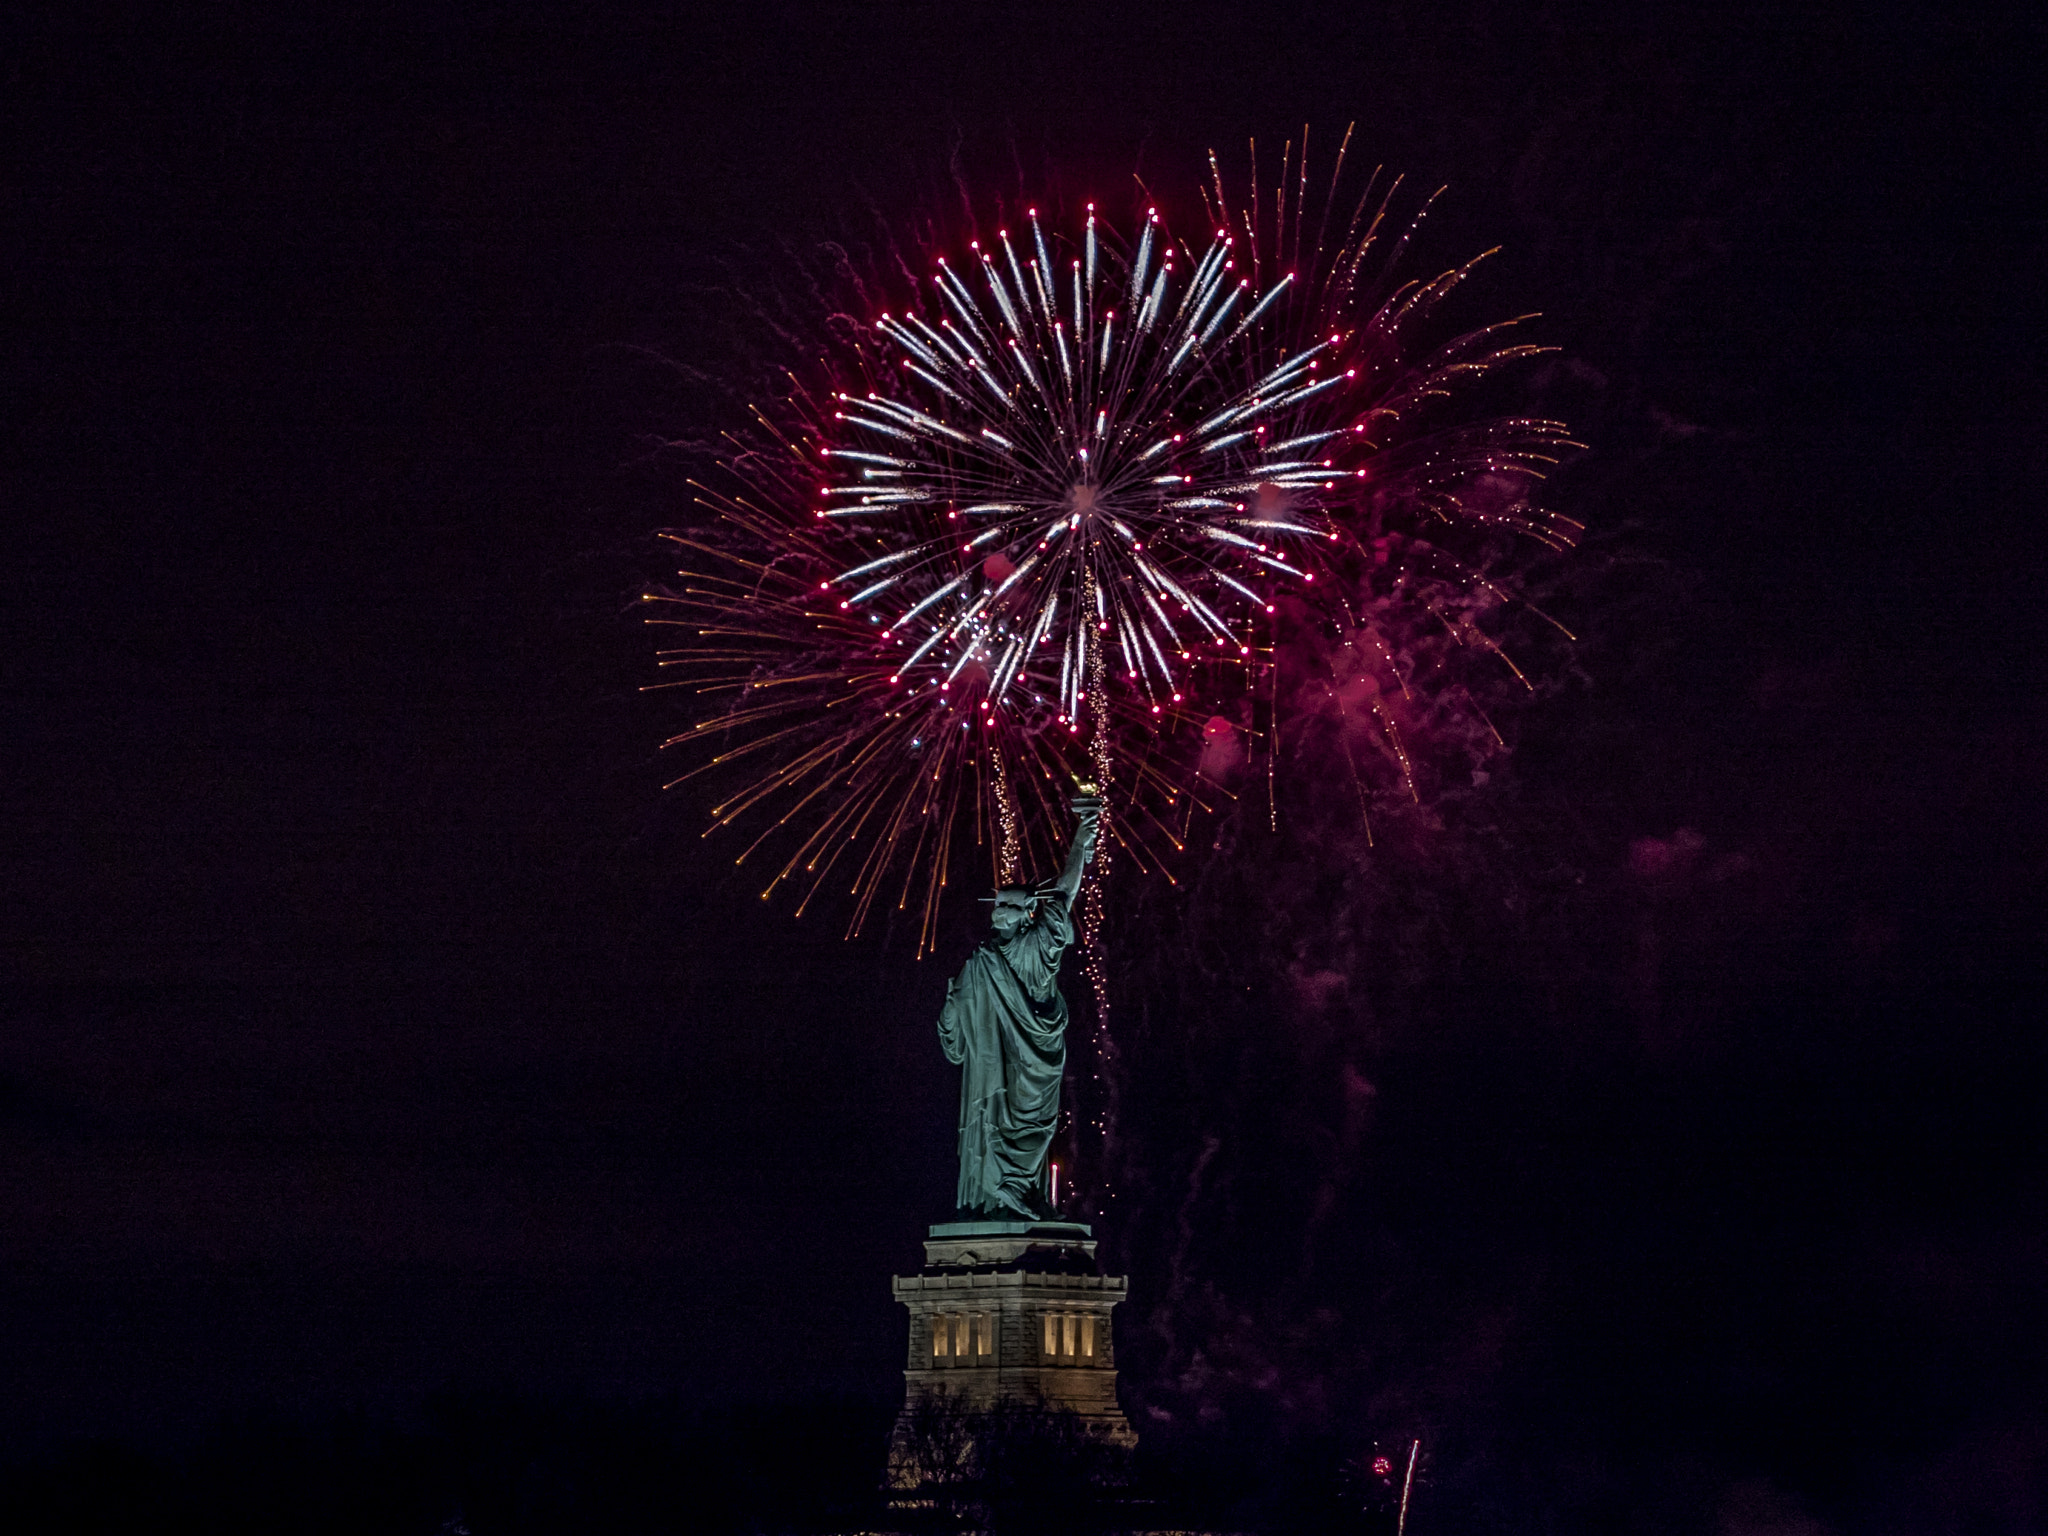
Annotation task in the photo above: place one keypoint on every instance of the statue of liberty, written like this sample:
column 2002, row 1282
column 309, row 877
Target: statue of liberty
column 1005, row 1026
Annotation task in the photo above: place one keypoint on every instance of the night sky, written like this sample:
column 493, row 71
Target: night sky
column 1666, row 1152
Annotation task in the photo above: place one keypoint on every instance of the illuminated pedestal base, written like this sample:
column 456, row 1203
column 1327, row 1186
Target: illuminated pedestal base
column 1013, row 1311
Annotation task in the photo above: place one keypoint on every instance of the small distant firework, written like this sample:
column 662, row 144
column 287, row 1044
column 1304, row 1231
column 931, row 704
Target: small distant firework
column 1045, row 517
column 1382, row 1486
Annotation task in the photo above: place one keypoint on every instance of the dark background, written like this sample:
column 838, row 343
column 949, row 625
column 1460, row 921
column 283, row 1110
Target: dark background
column 374, row 1026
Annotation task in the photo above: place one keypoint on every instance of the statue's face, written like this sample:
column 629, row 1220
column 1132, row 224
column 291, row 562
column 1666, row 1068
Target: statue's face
column 1012, row 913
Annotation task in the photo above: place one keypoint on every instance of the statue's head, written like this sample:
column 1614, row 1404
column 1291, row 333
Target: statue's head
column 1013, row 909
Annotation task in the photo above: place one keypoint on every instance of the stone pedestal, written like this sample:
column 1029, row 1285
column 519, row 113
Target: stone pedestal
column 1018, row 1311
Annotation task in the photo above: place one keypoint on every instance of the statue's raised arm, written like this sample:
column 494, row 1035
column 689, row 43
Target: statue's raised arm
column 1087, row 828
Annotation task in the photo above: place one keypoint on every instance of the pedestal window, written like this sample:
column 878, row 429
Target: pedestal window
column 1068, row 1337
column 963, row 1338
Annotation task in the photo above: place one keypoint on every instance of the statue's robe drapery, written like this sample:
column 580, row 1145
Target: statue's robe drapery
column 1005, row 1026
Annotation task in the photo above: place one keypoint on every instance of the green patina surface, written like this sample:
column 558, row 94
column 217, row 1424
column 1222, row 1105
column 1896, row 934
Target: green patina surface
column 1005, row 1026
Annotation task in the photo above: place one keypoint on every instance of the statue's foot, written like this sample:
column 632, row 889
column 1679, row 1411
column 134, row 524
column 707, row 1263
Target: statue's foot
column 1008, row 1200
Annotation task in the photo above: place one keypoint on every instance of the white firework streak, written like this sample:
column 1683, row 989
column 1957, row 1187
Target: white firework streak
column 1056, row 447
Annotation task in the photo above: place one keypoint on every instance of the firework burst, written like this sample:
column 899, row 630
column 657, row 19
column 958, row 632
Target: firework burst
column 1045, row 515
